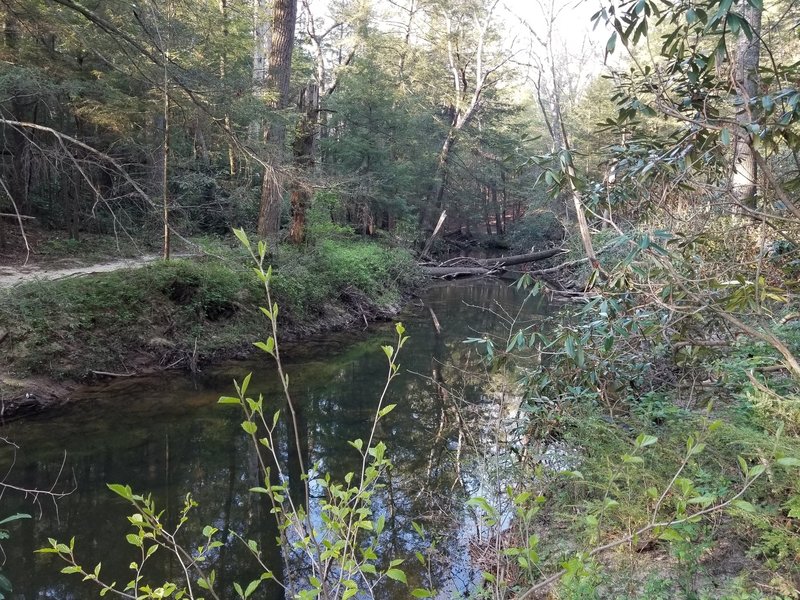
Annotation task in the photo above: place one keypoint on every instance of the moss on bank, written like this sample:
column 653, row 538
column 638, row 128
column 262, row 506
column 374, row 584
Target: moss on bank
column 176, row 313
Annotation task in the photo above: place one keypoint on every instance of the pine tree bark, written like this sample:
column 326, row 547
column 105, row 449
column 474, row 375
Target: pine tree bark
column 284, row 16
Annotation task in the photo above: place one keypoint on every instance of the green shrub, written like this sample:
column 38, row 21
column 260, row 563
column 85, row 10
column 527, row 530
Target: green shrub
column 300, row 292
column 364, row 266
column 70, row 326
column 320, row 223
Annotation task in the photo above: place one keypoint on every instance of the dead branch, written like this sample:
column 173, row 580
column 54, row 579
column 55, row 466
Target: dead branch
column 15, row 216
column 429, row 243
column 109, row 374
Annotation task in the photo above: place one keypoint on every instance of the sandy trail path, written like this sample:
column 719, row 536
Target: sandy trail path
column 11, row 276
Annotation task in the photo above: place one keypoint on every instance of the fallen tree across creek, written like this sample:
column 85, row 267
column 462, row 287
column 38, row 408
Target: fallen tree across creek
column 470, row 267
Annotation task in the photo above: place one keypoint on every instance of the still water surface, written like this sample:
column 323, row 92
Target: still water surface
column 167, row 435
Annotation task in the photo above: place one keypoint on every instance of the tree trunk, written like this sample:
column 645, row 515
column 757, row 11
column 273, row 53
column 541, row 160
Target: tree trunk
column 401, row 65
column 160, row 172
column 466, row 102
column 284, row 15
column 303, row 149
column 10, row 32
column 498, row 220
column 504, row 195
column 200, row 148
column 486, row 221
column 165, row 148
column 165, row 175
column 436, row 229
column 269, row 213
column 442, row 167
column 73, row 212
column 18, row 142
column 261, row 51
column 745, row 169
column 558, row 131
column 223, row 60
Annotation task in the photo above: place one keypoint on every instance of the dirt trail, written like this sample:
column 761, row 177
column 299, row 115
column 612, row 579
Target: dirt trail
column 11, row 276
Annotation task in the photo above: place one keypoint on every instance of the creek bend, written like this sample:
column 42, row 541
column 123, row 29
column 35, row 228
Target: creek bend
column 167, row 435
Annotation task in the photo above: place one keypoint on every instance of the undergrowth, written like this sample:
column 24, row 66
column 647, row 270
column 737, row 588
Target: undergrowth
column 680, row 443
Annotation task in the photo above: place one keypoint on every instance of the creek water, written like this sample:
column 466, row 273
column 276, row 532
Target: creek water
column 168, row 436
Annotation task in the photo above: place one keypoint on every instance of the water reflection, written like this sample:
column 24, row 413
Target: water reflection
column 168, row 436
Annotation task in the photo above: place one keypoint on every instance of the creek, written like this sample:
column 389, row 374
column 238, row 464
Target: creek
column 167, row 435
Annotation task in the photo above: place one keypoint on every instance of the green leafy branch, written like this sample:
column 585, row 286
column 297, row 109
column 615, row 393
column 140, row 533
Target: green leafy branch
column 149, row 535
column 666, row 529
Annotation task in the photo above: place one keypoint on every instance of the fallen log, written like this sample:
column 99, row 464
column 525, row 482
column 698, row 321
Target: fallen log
column 519, row 259
column 453, row 272
column 487, row 266
column 571, row 263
